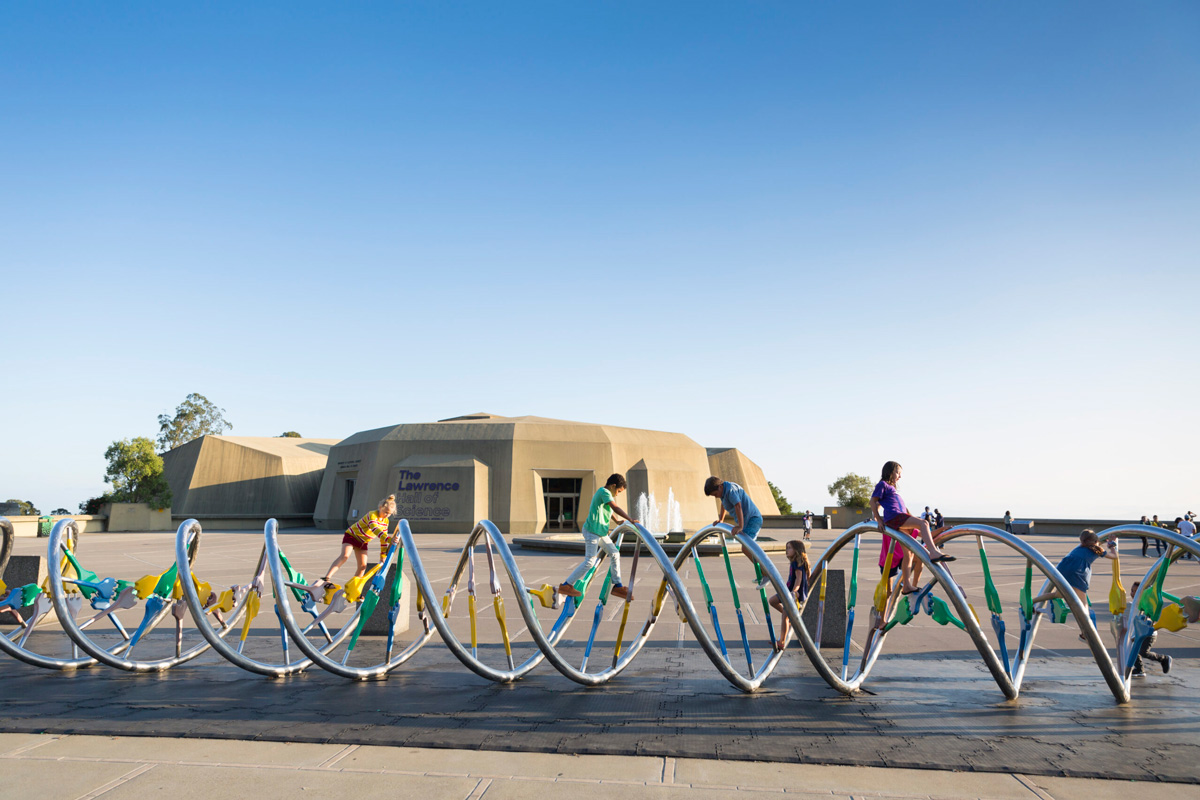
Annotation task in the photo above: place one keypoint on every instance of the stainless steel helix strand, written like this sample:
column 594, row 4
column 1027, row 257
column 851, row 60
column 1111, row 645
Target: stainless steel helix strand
column 109, row 597
column 321, row 656
column 1011, row 677
column 8, row 538
column 465, row 562
column 187, row 539
column 17, row 642
column 1136, row 620
column 714, row 650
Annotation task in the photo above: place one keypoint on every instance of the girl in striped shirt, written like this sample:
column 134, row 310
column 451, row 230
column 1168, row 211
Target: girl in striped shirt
column 359, row 535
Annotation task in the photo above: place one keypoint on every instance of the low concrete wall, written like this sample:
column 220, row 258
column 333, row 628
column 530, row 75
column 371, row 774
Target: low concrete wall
column 126, row 517
column 232, row 522
column 26, row 527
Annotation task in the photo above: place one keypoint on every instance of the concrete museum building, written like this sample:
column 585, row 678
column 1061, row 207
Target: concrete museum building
column 526, row 474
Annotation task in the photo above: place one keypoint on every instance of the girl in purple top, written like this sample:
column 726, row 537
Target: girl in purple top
column 889, row 511
column 797, row 584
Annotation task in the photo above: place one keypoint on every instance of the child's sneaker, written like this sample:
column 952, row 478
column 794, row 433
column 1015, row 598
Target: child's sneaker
column 620, row 591
column 1166, row 664
column 1138, row 673
column 763, row 581
column 569, row 590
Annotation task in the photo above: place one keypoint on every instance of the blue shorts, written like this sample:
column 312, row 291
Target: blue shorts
column 752, row 527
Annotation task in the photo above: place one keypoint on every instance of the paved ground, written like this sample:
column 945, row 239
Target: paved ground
column 933, row 703
column 77, row 767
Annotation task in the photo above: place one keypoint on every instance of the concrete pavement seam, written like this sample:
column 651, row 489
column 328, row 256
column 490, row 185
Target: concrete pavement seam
column 107, row 787
column 329, row 762
column 668, row 773
column 28, row 747
column 1038, row 791
column 480, row 789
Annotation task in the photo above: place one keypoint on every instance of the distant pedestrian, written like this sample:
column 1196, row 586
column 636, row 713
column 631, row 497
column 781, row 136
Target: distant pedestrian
column 938, row 520
column 799, row 571
column 1185, row 527
column 596, row 538
column 735, row 501
column 1159, row 546
column 1144, row 651
column 1008, row 521
column 889, row 511
column 807, row 525
column 1145, row 521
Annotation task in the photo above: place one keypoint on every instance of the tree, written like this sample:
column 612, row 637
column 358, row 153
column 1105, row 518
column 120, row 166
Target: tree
column 851, row 490
column 56, row 512
column 784, row 506
column 289, row 435
column 194, row 417
column 136, row 473
column 93, row 504
column 28, row 509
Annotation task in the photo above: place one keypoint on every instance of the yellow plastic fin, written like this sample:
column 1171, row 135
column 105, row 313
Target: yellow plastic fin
column 885, row 584
column 1116, row 595
column 545, row 595
column 1171, row 618
column 203, row 589
column 3, row 588
column 498, row 604
column 660, row 597
column 224, row 602
column 330, row 590
column 471, row 610
column 252, row 604
column 144, row 586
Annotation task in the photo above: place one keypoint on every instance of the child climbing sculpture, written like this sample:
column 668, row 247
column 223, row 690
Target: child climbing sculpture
column 596, row 538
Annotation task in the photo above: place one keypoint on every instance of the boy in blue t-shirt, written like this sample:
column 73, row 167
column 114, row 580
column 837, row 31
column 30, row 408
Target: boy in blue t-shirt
column 735, row 501
column 595, row 537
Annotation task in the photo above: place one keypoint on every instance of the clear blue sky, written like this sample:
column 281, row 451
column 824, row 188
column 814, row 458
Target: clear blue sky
column 959, row 235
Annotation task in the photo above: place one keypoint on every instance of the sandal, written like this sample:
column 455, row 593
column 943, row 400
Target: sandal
column 943, row 558
column 910, row 591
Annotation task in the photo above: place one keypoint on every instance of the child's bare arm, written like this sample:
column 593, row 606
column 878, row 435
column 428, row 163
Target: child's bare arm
column 620, row 512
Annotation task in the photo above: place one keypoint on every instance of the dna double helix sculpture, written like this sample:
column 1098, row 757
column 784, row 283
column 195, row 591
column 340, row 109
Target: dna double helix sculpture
column 323, row 623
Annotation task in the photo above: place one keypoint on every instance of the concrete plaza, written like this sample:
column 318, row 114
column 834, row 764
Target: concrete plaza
column 931, row 703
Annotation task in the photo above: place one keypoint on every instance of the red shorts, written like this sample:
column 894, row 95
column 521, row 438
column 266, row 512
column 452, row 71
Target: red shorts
column 896, row 522
column 355, row 543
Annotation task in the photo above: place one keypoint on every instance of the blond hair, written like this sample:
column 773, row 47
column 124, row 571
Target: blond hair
column 391, row 498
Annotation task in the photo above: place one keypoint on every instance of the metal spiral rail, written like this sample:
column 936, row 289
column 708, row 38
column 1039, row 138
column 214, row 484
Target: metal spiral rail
column 179, row 592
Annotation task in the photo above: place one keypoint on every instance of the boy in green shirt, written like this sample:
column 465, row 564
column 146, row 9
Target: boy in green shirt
column 595, row 537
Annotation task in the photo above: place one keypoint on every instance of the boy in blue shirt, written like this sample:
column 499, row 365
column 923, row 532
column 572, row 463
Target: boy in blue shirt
column 595, row 537
column 735, row 501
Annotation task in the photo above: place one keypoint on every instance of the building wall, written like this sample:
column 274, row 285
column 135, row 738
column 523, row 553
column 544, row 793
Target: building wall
column 505, row 459
column 245, row 476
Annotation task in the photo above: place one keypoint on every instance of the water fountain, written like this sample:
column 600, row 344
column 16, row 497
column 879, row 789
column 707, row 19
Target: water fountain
column 648, row 512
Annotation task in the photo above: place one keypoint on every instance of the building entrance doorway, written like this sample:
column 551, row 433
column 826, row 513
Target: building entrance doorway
column 562, row 504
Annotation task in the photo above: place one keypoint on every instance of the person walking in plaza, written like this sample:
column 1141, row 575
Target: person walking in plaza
column 1185, row 527
column 1076, row 567
column 358, row 537
column 807, row 525
column 735, row 501
column 1145, row 544
column 939, row 521
column 596, row 538
column 1008, row 522
column 799, row 571
column 1159, row 547
column 889, row 511
column 1144, row 651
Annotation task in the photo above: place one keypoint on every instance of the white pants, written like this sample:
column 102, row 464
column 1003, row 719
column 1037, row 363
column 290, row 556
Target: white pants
column 592, row 545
